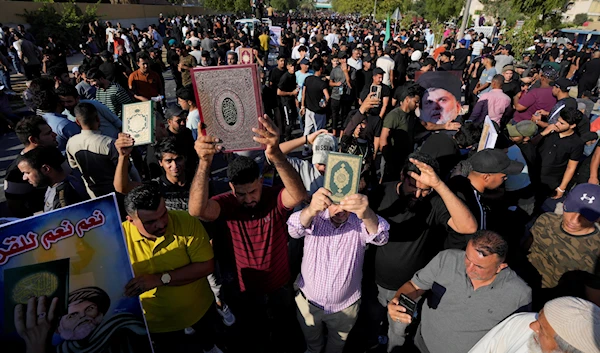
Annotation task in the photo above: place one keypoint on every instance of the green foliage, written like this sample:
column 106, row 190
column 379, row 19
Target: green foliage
column 580, row 19
column 306, row 5
column 502, row 9
column 520, row 38
column 64, row 25
column 284, row 5
column 542, row 7
column 442, row 10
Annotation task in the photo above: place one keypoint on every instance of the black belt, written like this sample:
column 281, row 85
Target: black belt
column 311, row 302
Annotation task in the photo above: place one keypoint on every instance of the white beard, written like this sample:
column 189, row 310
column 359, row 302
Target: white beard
column 534, row 346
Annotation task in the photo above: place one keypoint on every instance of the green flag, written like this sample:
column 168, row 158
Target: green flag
column 388, row 30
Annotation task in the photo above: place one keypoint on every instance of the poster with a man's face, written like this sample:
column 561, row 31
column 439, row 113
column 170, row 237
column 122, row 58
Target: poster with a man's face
column 74, row 264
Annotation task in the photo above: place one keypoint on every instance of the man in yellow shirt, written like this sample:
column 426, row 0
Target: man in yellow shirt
column 171, row 257
column 264, row 39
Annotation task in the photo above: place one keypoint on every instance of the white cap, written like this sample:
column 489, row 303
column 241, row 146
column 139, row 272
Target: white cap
column 576, row 321
column 75, row 69
column 416, row 55
column 302, row 40
column 322, row 145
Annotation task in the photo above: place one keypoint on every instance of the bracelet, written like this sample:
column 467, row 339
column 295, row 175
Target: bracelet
column 559, row 189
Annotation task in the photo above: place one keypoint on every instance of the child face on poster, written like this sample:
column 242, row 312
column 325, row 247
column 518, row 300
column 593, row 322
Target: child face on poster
column 82, row 319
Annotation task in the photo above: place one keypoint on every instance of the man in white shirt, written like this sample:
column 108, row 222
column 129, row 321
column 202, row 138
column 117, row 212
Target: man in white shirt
column 387, row 64
column 565, row 324
column 197, row 53
column 355, row 61
column 295, row 50
column 332, row 38
column 110, row 39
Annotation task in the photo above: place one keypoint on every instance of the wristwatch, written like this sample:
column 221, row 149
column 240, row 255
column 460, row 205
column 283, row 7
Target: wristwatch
column 165, row 278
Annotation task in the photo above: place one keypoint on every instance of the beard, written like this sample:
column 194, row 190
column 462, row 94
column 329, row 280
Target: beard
column 80, row 330
column 534, row 347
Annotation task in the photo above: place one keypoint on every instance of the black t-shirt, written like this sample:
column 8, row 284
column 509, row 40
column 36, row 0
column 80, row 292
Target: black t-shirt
column 275, row 77
column 287, row 83
column 386, row 91
column 18, row 189
column 363, row 79
column 411, row 244
column 314, row 93
column 176, row 197
column 445, row 67
column 444, row 149
column 460, row 58
column 463, row 188
column 511, row 88
column 555, row 153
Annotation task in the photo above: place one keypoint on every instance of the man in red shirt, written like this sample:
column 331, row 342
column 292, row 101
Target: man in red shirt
column 256, row 220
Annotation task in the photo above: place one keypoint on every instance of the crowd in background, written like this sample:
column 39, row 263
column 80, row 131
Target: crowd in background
column 447, row 247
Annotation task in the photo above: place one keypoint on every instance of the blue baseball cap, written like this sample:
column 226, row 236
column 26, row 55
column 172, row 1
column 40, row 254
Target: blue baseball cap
column 585, row 200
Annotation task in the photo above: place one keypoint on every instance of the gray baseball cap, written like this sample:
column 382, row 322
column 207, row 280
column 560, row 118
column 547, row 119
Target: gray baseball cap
column 323, row 144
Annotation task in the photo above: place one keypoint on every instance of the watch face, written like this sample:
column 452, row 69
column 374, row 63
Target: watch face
column 166, row 278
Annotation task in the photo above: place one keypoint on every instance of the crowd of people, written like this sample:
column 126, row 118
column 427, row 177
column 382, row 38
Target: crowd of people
column 447, row 247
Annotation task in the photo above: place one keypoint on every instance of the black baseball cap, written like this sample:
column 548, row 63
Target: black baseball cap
column 378, row 71
column 494, row 161
column 342, row 55
column 563, row 84
column 175, row 111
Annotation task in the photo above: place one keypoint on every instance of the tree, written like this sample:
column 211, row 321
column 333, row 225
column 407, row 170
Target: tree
column 580, row 19
column 542, row 7
column 284, row 5
column 442, row 10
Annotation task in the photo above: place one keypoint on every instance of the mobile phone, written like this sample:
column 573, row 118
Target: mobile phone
column 377, row 90
column 409, row 304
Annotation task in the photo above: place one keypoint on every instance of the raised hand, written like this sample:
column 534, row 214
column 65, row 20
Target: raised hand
column 320, row 201
column 357, row 204
column 269, row 136
column 207, row 146
column 34, row 323
column 451, row 125
column 312, row 137
column 428, row 176
column 124, row 144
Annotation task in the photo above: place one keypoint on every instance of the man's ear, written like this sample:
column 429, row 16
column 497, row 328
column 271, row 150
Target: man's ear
column 502, row 267
column 129, row 218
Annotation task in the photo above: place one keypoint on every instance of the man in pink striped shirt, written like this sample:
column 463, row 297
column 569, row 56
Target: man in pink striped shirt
column 497, row 102
column 336, row 237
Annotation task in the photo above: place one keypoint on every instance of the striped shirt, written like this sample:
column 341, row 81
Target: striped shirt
column 259, row 240
column 113, row 97
column 333, row 258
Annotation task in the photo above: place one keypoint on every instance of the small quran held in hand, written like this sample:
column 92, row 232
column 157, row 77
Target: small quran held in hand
column 138, row 121
column 342, row 175
column 229, row 102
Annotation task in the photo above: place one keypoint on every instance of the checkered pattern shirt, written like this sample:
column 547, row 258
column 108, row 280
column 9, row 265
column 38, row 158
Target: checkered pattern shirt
column 333, row 258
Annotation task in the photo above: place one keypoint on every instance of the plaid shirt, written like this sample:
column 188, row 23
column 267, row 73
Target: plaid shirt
column 333, row 258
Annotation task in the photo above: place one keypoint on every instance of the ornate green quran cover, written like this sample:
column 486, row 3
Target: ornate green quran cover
column 342, row 175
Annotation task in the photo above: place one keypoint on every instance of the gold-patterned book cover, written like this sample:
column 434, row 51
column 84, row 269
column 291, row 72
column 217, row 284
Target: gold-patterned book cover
column 138, row 121
column 21, row 283
column 229, row 102
column 342, row 175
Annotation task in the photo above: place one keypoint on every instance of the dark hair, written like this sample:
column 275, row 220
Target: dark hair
column 186, row 93
column 429, row 61
column 499, row 79
column 86, row 114
column 29, row 126
column 488, row 243
column 94, row 74
column 243, row 170
column 412, row 90
column 317, row 64
column 302, row 48
column 468, row 135
column 289, row 62
column 39, row 156
column 168, row 145
column 421, row 157
column 144, row 197
column 45, row 99
column 56, row 71
column 571, row 115
column 142, row 55
column 66, row 90
column 587, row 93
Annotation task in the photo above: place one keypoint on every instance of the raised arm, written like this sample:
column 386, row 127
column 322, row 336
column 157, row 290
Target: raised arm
column 124, row 146
column 294, row 192
column 461, row 219
column 199, row 204
column 291, row 145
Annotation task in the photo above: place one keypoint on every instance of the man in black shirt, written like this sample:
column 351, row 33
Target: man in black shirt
column 559, row 152
column 462, row 58
column 445, row 64
column 510, row 87
column 274, row 102
column 315, row 97
column 287, row 91
column 364, row 76
column 400, row 65
column 420, row 209
column 589, row 73
column 384, row 94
